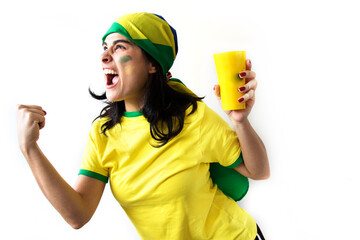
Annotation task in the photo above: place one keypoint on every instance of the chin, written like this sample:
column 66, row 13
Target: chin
column 110, row 97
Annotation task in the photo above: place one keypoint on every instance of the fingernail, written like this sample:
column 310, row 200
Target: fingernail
column 214, row 88
column 242, row 74
column 242, row 89
column 44, row 112
column 249, row 61
column 241, row 100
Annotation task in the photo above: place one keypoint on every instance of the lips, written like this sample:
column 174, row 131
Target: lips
column 112, row 78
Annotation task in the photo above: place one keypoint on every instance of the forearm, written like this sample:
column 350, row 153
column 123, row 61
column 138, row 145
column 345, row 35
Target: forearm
column 256, row 164
column 62, row 196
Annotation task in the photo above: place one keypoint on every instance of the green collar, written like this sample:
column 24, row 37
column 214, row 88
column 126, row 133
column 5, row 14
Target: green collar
column 133, row 114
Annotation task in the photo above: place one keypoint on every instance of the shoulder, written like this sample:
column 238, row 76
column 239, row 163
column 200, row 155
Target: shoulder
column 206, row 118
column 198, row 114
column 99, row 122
column 211, row 121
column 96, row 127
column 204, row 111
column 210, row 114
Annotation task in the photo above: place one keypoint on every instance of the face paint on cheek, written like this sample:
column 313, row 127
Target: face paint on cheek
column 129, row 69
column 125, row 59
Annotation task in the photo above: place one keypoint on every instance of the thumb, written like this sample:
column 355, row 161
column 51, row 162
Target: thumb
column 217, row 91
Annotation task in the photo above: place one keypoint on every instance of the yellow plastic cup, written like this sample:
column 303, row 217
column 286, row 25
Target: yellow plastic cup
column 228, row 66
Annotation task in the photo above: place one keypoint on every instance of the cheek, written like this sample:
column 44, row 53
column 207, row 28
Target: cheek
column 125, row 59
column 126, row 63
column 129, row 69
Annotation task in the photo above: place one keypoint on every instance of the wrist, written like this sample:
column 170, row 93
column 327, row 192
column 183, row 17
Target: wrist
column 28, row 148
column 244, row 123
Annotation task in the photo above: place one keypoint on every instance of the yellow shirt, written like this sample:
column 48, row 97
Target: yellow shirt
column 167, row 192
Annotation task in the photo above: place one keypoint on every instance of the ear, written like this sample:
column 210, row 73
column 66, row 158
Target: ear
column 152, row 68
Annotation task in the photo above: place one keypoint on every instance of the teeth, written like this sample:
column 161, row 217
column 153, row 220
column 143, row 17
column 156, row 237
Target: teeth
column 109, row 71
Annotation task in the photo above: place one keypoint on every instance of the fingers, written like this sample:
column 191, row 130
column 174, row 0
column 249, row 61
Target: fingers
column 33, row 108
column 248, row 89
column 251, row 83
column 31, row 114
column 248, row 74
column 250, row 95
column 29, row 120
column 248, row 86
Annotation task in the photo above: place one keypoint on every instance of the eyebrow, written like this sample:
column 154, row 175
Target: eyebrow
column 117, row 41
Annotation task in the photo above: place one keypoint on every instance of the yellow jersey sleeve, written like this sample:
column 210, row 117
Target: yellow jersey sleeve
column 219, row 141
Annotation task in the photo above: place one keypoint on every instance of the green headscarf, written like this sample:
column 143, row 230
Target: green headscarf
column 151, row 33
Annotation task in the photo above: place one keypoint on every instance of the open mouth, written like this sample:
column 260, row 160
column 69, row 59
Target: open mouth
column 111, row 77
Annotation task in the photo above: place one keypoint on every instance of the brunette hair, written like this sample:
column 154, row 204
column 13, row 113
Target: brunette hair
column 164, row 107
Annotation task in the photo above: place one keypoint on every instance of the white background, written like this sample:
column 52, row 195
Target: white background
column 305, row 54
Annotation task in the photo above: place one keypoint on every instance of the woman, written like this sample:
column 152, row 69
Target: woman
column 154, row 142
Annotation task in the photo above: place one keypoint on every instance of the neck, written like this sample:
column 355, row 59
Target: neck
column 133, row 106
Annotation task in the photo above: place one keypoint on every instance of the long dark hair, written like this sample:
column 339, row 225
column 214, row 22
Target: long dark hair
column 164, row 107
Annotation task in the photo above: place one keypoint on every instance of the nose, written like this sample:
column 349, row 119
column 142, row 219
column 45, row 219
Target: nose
column 106, row 57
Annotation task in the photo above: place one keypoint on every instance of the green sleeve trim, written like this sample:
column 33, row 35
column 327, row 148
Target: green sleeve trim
column 237, row 162
column 93, row 175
